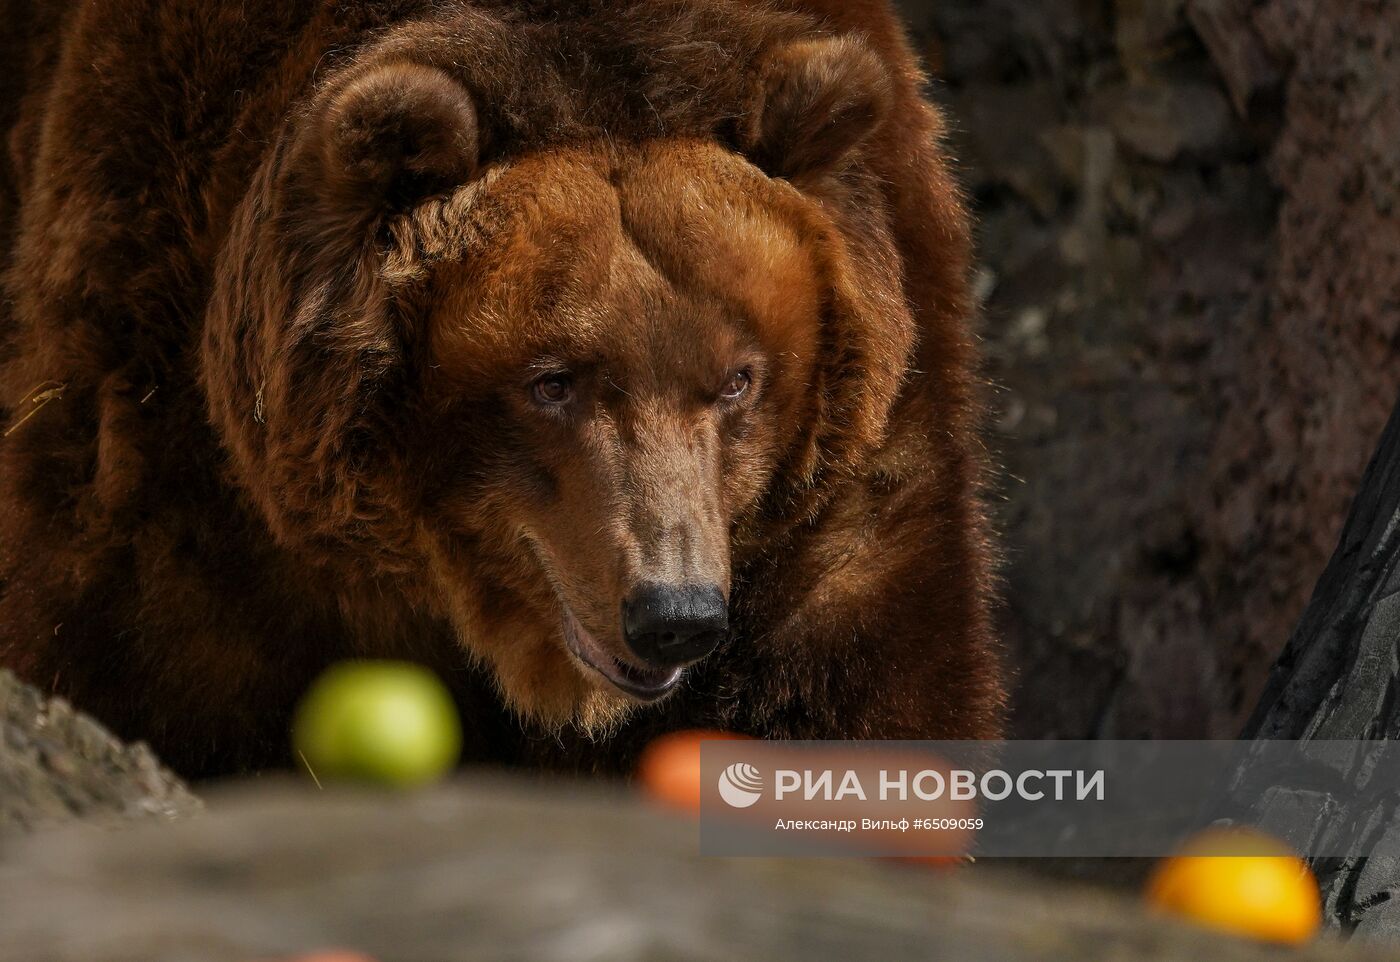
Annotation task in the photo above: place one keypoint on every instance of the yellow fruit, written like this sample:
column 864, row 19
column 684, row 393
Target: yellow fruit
column 386, row 722
column 1260, row 889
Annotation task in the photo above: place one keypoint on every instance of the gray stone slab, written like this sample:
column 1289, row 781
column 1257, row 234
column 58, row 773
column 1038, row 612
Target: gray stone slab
column 491, row 869
column 57, row 764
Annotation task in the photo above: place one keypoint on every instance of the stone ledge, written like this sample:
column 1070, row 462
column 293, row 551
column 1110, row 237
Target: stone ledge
column 488, row 868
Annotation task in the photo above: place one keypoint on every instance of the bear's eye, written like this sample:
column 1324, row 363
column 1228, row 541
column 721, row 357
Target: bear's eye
column 553, row 389
column 737, row 385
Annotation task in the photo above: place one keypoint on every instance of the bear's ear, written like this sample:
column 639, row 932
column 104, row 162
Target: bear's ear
column 397, row 133
column 818, row 101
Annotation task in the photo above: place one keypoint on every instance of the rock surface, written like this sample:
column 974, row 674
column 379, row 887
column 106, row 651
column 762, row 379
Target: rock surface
column 1187, row 228
column 57, row 764
column 498, row 870
column 1339, row 678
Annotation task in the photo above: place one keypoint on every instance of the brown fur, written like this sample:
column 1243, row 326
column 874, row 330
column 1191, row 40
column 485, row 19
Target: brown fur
column 281, row 278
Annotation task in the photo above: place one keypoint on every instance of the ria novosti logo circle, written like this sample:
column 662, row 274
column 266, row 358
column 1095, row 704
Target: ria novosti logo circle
column 740, row 785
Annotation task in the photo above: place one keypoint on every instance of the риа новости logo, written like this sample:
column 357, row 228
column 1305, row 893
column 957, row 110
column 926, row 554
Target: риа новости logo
column 740, row 785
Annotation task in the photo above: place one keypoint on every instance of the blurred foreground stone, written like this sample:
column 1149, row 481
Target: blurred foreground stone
column 490, row 869
column 57, row 764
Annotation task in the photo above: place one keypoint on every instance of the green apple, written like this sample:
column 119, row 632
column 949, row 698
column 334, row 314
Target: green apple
column 386, row 722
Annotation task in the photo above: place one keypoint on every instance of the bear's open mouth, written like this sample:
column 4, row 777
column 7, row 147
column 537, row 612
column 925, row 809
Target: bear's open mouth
column 643, row 684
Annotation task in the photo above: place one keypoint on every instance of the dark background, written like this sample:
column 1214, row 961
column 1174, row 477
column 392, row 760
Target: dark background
column 1190, row 305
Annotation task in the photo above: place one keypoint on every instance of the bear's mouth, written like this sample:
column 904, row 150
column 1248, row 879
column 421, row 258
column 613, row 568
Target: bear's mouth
column 643, row 684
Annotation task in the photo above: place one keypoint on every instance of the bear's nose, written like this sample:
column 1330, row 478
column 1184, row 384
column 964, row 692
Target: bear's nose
column 672, row 625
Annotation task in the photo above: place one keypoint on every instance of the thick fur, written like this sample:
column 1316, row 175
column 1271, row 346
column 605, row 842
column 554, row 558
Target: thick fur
column 276, row 270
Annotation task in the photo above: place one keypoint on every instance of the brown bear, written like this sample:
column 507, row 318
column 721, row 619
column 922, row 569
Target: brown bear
column 609, row 356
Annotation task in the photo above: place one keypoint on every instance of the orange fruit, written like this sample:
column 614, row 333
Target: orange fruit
column 1240, row 881
column 669, row 768
column 329, row 955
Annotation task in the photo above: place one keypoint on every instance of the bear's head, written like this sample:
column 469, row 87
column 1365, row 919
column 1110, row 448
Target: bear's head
column 562, row 397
